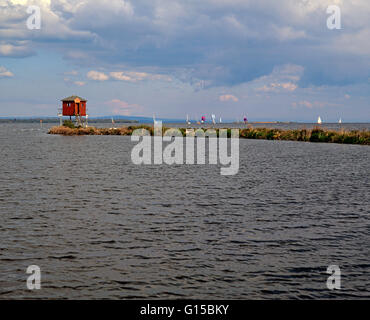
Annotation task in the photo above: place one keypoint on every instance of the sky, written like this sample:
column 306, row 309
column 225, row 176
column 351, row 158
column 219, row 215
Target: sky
column 265, row 59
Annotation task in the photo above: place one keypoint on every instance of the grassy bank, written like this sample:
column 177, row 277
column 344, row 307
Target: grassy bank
column 312, row 135
column 124, row 131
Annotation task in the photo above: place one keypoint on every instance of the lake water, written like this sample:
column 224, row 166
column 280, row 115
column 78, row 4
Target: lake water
column 100, row 227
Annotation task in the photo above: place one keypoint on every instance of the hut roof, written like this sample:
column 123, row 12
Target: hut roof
column 73, row 98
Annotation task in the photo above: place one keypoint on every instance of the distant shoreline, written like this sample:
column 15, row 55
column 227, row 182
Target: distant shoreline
column 118, row 119
column 317, row 134
column 56, row 120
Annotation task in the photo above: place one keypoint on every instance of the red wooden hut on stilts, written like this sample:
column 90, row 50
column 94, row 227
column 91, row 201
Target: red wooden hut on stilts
column 75, row 106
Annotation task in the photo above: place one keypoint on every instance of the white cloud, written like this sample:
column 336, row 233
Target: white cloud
column 314, row 104
column 134, row 76
column 54, row 24
column 15, row 49
column 97, row 76
column 275, row 87
column 288, row 33
column 228, row 97
column 119, row 107
column 72, row 81
column 4, row 73
column 282, row 79
column 354, row 42
column 120, row 76
column 130, row 76
column 72, row 73
column 304, row 103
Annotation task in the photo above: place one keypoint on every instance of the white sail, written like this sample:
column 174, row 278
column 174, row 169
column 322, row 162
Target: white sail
column 187, row 119
column 220, row 120
column 213, row 119
column 154, row 120
column 113, row 124
column 319, row 121
column 340, row 120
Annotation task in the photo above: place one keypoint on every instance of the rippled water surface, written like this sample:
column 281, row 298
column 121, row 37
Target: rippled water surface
column 100, row 227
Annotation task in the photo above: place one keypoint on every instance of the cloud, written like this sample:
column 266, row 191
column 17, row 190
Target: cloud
column 16, row 50
column 215, row 41
column 283, row 78
column 314, row 104
column 72, row 73
column 55, row 26
column 79, row 83
column 97, row 76
column 306, row 104
column 228, row 97
column 120, row 76
column 275, row 87
column 4, row 73
column 287, row 33
column 130, row 76
column 134, row 76
column 123, row 108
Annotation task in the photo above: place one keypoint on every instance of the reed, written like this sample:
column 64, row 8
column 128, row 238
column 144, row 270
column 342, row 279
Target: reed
column 313, row 135
column 309, row 135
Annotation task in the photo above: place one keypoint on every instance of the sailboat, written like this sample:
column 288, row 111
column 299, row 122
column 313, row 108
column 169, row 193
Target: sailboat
column 187, row 119
column 319, row 121
column 213, row 119
column 154, row 120
column 113, row 124
column 220, row 120
column 340, row 120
